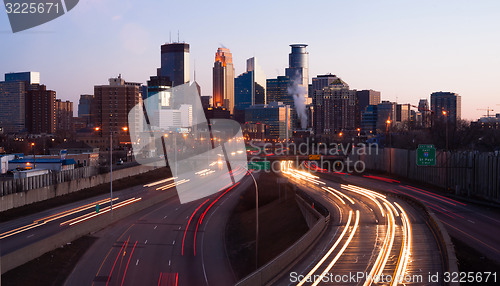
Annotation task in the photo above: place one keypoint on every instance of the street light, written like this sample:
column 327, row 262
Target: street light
column 125, row 128
column 34, row 157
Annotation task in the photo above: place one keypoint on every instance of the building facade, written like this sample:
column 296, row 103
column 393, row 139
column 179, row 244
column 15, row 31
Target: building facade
column 175, row 62
column 64, row 115
column 446, row 101
column 41, row 110
column 223, row 80
column 275, row 115
column 298, row 66
column 334, row 109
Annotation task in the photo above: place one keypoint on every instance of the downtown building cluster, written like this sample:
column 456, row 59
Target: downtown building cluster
column 269, row 109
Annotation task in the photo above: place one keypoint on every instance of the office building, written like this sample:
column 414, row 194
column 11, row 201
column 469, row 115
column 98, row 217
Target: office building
column 446, row 101
column 298, row 66
column 175, row 62
column 277, row 90
column 41, row 110
column 403, row 113
column 367, row 97
column 112, row 104
column 369, row 119
column 386, row 110
column 64, row 115
column 425, row 111
column 84, row 108
column 223, row 80
column 13, row 100
column 275, row 115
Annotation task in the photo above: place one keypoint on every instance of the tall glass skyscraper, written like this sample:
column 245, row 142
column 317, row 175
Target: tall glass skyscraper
column 298, row 66
column 175, row 62
column 223, row 80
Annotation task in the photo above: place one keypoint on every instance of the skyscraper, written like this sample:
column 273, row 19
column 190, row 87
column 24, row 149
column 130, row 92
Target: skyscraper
column 175, row 62
column 223, row 80
column 446, row 101
column 277, row 90
column 41, row 110
column 84, row 107
column 335, row 108
column 298, row 66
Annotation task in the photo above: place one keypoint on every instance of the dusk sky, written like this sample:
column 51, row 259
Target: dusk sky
column 405, row 49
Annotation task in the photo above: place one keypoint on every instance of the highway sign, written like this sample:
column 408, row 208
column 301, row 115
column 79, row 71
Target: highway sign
column 259, row 165
column 314, row 157
column 426, row 155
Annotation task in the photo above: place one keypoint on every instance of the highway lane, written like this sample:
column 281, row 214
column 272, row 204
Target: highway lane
column 476, row 225
column 170, row 244
column 368, row 233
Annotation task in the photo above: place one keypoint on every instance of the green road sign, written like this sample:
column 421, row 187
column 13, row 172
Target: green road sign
column 259, row 165
column 426, row 155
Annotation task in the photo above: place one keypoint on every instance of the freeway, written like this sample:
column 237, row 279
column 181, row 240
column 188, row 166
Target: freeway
column 477, row 225
column 369, row 234
column 169, row 244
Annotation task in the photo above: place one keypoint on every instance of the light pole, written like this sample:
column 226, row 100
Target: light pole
column 34, row 156
column 390, row 144
column 445, row 114
column 256, row 221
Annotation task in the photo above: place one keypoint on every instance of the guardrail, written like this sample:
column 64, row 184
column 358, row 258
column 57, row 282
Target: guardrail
column 275, row 268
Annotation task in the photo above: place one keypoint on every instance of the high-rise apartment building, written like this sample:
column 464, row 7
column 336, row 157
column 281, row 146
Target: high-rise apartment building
column 223, row 80
column 298, row 66
column 335, row 108
column 175, row 62
column 41, row 110
column 64, row 115
column 446, row 101
column 112, row 104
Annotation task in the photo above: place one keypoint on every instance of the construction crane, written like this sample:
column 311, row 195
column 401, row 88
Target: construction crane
column 487, row 110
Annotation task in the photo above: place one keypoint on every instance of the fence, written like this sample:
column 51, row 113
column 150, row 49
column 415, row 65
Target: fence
column 467, row 173
column 25, row 184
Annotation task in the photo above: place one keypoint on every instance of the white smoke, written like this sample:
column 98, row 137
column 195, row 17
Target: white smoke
column 298, row 93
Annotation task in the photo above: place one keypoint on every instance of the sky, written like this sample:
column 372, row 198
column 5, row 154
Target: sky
column 405, row 49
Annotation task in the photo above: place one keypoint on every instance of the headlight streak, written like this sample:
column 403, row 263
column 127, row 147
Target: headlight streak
column 159, row 182
column 335, row 195
column 103, row 211
column 329, row 251
column 355, row 227
column 42, row 221
column 406, row 248
column 342, row 194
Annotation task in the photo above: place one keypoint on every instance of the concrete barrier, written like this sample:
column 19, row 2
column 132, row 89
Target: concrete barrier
column 276, row 267
column 18, row 199
column 37, row 249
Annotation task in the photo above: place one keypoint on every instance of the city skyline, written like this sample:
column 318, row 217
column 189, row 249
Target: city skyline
column 405, row 51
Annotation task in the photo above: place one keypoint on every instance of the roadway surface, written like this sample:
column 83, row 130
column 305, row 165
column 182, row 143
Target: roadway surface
column 168, row 244
column 367, row 233
column 474, row 224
